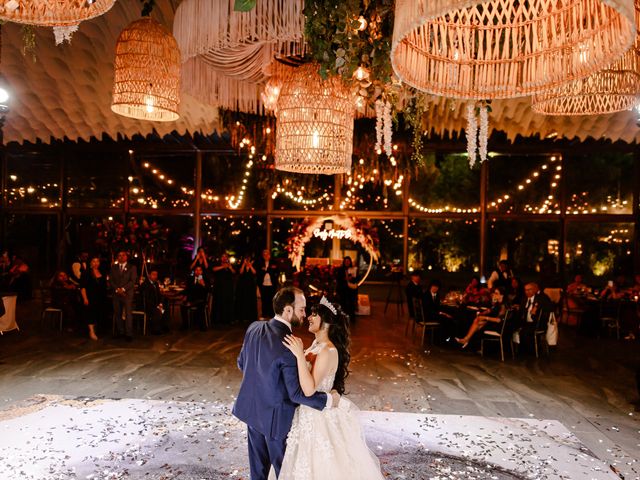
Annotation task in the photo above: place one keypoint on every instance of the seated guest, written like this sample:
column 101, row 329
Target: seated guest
column 432, row 311
column 613, row 291
column 154, row 304
column 577, row 287
column 196, row 298
column 64, row 295
column 491, row 318
column 534, row 314
column 413, row 290
column 500, row 277
column 475, row 293
column 20, row 278
column 515, row 295
column 79, row 267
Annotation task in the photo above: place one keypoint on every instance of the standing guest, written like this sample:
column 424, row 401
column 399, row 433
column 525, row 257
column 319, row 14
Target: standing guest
column 154, row 305
column 347, row 287
column 267, row 277
column 5, row 265
column 20, row 278
column 491, row 318
column 501, row 277
column 196, row 298
column 246, row 298
column 200, row 260
column 64, row 295
column 223, row 291
column 413, row 291
column 122, row 280
column 93, row 288
column 432, row 311
column 79, row 267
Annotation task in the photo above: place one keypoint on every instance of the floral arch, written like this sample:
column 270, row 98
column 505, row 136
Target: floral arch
column 356, row 230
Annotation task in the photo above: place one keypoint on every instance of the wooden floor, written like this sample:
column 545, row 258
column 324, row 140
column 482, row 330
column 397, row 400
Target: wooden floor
column 586, row 384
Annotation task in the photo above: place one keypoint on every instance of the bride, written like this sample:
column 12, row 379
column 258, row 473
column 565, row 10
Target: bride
column 326, row 443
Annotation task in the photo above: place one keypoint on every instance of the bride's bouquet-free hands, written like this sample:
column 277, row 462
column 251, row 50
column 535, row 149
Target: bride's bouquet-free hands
column 295, row 345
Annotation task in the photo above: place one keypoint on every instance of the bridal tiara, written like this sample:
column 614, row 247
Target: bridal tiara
column 327, row 303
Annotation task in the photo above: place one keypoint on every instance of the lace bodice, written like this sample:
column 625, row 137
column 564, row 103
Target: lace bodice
column 326, row 384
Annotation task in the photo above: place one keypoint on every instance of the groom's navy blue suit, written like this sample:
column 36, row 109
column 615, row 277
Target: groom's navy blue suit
column 269, row 394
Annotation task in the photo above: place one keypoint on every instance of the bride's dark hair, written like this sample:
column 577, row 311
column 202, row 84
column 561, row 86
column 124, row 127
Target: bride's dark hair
column 340, row 337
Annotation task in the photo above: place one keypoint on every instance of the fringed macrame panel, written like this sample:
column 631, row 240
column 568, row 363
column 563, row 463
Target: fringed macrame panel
column 52, row 13
column 611, row 90
column 506, row 48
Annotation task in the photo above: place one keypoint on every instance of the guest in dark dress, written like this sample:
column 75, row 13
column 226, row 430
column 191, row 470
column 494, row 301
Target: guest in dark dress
column 246, row 298
column 267, row 277
column 200, row 260
column 347, row 287
column 223, row 291
column 489, row 318
column 64, row 295
column 93, row 288
column 155, row 305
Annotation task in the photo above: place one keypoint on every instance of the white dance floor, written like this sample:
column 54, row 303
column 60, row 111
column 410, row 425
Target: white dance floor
column 57, row 438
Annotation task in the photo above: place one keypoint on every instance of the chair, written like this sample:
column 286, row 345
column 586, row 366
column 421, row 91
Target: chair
column 569, row 311
column 610, row 315
column 48, row 310
column 498, row 336
column 420, row 321
column 140, row 311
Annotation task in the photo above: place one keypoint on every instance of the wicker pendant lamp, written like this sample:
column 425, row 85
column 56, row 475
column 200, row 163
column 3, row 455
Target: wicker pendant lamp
column 314, row 123
column 506, row 48
column 147, row 73
column 614, row 89
column 63, row 15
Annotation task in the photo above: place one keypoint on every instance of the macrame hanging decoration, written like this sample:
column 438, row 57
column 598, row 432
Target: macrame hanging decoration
column 63, row 15
column 477, row 136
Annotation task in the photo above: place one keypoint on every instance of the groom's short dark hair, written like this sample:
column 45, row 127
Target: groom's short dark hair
column 283, row 297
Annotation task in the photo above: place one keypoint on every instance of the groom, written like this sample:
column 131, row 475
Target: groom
column 270, row 389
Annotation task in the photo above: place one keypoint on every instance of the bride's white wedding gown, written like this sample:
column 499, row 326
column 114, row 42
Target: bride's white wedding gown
column 328, row 444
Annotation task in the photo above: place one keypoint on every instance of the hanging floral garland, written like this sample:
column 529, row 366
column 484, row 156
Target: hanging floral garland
column 477, row 136
column 379, row 124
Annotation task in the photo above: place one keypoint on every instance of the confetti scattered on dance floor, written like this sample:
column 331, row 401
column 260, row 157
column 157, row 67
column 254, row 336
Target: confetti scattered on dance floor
column 57, row 438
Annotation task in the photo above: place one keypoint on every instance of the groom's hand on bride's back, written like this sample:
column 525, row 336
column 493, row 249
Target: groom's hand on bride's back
column 335, row 399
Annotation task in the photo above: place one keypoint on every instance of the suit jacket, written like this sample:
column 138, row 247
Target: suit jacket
column 413, row 291
column 123, row 279
column 541, row 317
column 151, row 295
column 270, row 389
column 430, row 306
column 273, row 270
column 195, row 292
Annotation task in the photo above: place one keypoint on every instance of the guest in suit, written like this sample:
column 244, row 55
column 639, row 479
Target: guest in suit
column 270, row 390
column 267, row 276
column 122, row 280
column 198, row 288
column 535, row 310
column 154, row 304
column 413, row 291
column 433, row 312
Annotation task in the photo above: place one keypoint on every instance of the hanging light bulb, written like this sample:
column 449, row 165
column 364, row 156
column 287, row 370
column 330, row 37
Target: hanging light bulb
column 149, row 103
column 361, row 73
column 315, row 141
column 362, row 23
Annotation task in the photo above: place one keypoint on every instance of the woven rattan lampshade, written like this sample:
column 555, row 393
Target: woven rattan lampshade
column 52, row 13
column 314, row 124
column 506, row 48
column 614, row 89
column 147, row 73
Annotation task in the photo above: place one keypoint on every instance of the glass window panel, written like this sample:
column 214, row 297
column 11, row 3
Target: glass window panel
column 601, row 182
column 599, row 249
column 162, row 181
column 96, row 181
column 223, row 180
column 33, row 180
column 358, row 193
column 524, row 184
column 445, row 183
column 303, row 192
column 444, row 245
column 33, row 237
column 237, row 236
column 532, row 248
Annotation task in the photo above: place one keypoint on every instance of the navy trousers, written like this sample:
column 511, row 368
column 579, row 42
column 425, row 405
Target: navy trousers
column 264, row 452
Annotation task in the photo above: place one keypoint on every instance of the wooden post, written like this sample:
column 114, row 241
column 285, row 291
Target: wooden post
column 269, row 219
column 484, row 180
column 562, row 243
column 197, row 204
column 405, row 224
column 636, row 211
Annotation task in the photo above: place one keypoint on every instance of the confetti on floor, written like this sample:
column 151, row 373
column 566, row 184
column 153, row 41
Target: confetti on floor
column 55, row 438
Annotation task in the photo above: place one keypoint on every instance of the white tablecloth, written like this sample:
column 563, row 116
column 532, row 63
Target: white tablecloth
column 8, row 320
